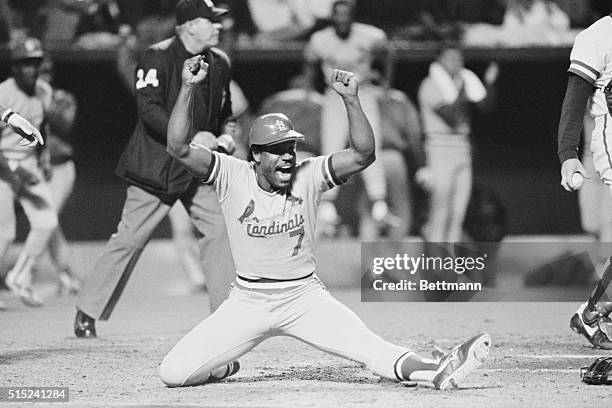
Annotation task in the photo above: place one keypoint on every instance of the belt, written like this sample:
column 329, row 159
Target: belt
column 267, row 280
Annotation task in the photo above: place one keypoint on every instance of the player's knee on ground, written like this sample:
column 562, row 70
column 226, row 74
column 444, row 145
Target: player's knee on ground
column 172, row 373
column 176, row 372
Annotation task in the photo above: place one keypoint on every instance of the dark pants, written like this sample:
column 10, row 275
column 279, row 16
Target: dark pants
column 142, row 213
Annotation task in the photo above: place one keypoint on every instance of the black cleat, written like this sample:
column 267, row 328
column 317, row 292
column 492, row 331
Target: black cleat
column 84, row 325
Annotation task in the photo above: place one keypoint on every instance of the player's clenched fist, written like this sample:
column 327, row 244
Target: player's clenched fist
column 195, row 70
column 204, row 139
column 344, row 82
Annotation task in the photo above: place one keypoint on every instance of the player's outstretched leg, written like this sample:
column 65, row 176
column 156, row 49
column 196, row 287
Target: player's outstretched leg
column 332, row 327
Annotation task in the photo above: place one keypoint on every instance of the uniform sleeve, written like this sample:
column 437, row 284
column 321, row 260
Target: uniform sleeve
column 222, row 172
column 319, row 174
column 151, row 75
column 587, row 58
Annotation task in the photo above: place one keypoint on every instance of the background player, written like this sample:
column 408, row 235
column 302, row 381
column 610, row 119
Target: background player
column 445, row 99
column 23, row 168
column 589, row 72
column 269, row 205
column 355, row 47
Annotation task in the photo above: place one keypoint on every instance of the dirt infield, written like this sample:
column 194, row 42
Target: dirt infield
column 535, row 359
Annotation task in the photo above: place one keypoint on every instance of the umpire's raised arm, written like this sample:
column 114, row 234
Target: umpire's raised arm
column 195, row 155
column 360, row 154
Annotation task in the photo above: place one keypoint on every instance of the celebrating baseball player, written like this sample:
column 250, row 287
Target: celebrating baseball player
column 590, row 75
column 270, row 204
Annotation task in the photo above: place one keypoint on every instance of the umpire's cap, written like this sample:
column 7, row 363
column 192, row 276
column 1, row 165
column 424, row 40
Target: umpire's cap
column 271, row 129
column 187, row 10
column 26, row 48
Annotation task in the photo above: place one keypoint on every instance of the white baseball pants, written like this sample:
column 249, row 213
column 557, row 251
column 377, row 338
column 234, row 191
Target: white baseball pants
column 451, row 164
column 249, row 316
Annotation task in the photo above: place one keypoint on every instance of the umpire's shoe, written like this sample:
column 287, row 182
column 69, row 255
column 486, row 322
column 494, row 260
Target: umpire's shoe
column 461, row 361
column 596, row 329
column 84, row 325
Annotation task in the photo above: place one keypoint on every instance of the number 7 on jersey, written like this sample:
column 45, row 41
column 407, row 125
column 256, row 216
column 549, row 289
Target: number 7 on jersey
column 299, row 232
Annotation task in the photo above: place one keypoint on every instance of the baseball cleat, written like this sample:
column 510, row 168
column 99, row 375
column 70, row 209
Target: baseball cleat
column 84, row 325
column 590, row 328
column 579, row 324
column 224, row 372
column 461, row 361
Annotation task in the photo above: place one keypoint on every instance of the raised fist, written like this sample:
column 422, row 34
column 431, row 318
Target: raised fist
column 226, row 144
column 195, row 69
column 344, row 82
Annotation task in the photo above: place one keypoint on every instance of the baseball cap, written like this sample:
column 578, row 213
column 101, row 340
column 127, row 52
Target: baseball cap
column 26, row 48
column 187, row 10
column 271, row 129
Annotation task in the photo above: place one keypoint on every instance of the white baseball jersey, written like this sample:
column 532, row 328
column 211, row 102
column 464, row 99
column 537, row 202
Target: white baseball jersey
column 271, row 234
column 30, row 107
column 354, row 54
column 591, row 59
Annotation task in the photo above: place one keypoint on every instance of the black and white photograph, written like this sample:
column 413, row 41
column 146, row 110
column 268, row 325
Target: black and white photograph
column 305, row 203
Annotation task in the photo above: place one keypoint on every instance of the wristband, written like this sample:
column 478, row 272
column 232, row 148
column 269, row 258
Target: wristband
column 6, row 115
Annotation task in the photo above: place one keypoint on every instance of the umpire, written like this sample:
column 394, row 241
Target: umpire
column 155, row 180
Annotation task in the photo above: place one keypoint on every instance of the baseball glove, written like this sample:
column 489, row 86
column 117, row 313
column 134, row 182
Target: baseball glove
column 598, row 373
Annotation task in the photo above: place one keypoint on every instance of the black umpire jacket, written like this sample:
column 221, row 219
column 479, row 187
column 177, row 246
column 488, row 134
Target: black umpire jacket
column 145, row 162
